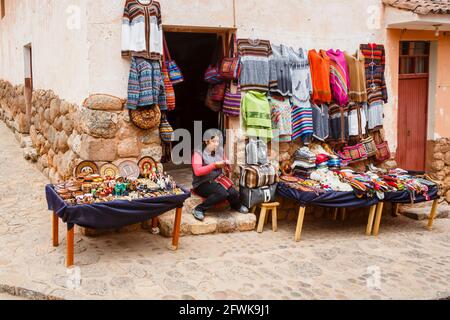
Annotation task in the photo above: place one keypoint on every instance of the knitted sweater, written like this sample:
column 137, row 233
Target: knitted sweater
column 256, row 71
column 142, row 34
column 281, row 65
column 320, row 73
column 281, row 117
column 300, row 74
column 356, row 68
column 339, row 78
column 146, row 84
column 375, row 61
column 256, row 114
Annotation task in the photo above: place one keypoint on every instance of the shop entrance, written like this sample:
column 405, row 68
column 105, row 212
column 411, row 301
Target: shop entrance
column 413, row 104
column 193, row 51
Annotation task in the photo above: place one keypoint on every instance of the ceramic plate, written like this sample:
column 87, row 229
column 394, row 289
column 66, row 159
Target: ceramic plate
column 147, row 165
column 129, row 169
column 86, row 168
column 109, row 170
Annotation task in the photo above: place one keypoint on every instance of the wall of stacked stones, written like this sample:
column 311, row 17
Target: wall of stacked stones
column 62, row 134
column 440, row 165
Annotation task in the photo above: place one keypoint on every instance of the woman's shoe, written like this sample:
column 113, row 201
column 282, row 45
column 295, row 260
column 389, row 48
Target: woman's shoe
column 243, row 210
column 199, row 215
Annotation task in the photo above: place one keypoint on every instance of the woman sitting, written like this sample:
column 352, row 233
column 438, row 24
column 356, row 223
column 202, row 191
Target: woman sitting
column 210, row 177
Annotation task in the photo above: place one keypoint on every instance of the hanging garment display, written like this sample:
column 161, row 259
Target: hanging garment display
column 146, row 84
column 357, row 120
column 255, row 111
column 281, row 117
column 280, row 63
column 375, row 61
column 357, row 72
column 321, row 121
column 339, row 131
column 300, row 74
column 320, row 73
column 302, row 121
column 375, row 115
column 142, row 34
column 339, row 77
column 256, row 71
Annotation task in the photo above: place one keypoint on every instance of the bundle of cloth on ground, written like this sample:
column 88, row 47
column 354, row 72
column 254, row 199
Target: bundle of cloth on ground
column 115, row 214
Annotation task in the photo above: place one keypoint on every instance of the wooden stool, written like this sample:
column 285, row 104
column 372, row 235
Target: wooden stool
column 265, row 207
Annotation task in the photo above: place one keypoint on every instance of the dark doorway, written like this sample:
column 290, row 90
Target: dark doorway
column 413, row 104
column 193, row 53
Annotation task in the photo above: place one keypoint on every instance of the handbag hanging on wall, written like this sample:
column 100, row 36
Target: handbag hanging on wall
column 383, row 152
column 168, row 87
column 165, row 129
column 230, row 67
column 212, row 75
column 232, row 101
column 175, row 74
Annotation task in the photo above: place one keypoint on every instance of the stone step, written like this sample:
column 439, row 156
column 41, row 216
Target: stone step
column 422, row 211
column 223, row 221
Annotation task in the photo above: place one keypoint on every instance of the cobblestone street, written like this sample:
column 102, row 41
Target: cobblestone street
column 334, row 260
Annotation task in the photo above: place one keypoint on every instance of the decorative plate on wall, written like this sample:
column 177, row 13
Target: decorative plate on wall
column 129, row 169
column 109, row 170
column 86, row 168
column 147, row 165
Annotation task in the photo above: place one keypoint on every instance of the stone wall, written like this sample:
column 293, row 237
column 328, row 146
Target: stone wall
column 62, row 134
column 440, row 165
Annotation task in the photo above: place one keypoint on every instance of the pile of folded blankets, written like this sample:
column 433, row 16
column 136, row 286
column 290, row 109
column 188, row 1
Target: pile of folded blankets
column 304, row 163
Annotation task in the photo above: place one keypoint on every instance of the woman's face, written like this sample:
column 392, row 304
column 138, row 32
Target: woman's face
column 213, row 144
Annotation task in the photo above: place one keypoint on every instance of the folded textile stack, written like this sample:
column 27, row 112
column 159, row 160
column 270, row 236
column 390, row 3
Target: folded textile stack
column 305, row 163
column 330, row 180
column 334, row 164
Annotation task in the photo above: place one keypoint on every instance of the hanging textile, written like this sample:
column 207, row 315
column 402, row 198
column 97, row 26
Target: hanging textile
column 146, row 84
column 338, row 123
column 281, row 117
column 281, row 65
column 375, row 61
column 321, row 121
column 357, row 71
column 256, row 71
column 255, row 111
column 339, row 77
column 142, row 34
column 302, row 121
column 320, row 73
column 300, row 74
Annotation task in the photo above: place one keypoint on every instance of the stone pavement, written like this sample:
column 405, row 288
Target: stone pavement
column 334, row 260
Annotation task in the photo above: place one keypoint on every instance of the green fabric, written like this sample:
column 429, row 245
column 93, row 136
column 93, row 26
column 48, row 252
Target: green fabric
column 256, row 114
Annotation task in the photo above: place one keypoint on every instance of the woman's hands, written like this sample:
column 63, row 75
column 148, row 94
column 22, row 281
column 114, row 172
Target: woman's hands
column 220, row 164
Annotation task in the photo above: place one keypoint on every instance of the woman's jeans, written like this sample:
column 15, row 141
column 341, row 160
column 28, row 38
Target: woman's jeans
column 216, row 193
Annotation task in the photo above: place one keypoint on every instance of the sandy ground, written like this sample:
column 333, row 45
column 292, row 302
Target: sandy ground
column 334, row 260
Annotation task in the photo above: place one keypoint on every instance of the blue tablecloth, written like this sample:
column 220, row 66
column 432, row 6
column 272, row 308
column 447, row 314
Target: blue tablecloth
column 115, row 214
column 329, row 199
column 404, row 197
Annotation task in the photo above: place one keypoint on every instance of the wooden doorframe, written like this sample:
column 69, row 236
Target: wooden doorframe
column 410, row 76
